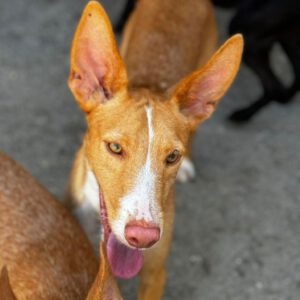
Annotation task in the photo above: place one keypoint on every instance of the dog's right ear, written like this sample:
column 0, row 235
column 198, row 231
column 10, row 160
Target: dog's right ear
column 97, row 71
column 199, row 93
column 5, row 288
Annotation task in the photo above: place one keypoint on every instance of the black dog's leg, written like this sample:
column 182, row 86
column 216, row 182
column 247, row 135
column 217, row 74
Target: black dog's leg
column 225, row 3
column 292, row 49
column 261, row 23
column 245, row 114
column 256, row 56
column 125, row 15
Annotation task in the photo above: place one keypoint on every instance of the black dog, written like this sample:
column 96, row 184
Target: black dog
column 263, row 23
column 130, row 4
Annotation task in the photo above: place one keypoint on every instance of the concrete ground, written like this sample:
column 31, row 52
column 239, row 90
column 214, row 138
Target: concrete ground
column 237, row 234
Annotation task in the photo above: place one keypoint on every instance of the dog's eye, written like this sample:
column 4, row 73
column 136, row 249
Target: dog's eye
column 115, row 148
column 173, row 157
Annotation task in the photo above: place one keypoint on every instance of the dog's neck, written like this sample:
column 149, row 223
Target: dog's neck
column 105, row 285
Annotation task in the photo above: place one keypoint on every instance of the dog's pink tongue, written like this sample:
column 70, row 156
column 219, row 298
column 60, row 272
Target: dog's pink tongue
column 124, row 262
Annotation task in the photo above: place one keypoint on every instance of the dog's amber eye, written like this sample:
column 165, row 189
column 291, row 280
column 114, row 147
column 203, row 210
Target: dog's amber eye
column 173, row 157
column 115, row 148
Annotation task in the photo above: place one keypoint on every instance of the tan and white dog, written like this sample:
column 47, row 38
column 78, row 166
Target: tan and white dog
column 138, row 133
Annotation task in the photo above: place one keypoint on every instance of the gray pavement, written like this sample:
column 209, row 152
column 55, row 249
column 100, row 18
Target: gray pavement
column 237, row 234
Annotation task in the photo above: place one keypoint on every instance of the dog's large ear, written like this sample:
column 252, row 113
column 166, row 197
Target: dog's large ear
column 5, row 288
column 198, row 95
column 97, row 71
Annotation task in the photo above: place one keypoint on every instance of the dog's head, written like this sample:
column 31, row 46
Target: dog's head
column 136, row 139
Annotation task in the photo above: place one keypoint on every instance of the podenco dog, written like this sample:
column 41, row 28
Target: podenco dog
column 137, row 133
column 44, row 254
column 185, row 37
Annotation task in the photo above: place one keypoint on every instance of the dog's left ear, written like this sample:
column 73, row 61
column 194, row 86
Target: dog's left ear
column 198, row 95
column 97, row 71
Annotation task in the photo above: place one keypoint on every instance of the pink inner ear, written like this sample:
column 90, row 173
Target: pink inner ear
column 96, row 64
column 204, row 94
column 92, row 71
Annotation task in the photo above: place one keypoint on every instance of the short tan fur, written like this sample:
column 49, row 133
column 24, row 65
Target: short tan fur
column 44, row 254
column 129, row 107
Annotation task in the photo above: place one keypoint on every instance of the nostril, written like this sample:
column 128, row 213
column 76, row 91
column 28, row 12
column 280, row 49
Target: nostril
column 134, row 241
column 151, row 243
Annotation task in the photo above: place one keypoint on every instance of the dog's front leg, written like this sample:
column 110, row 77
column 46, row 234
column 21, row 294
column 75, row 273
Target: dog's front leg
column 153, row 274
column 152, row 282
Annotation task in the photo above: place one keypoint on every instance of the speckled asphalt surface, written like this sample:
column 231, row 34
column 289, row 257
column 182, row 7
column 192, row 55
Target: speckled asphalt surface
column 237, row 234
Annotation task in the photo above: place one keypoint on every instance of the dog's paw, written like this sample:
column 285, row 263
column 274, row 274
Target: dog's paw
column 186, row 171
column 242, row 115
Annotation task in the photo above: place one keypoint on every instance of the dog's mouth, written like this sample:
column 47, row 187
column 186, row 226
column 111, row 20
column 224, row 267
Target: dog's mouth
column 125, row 262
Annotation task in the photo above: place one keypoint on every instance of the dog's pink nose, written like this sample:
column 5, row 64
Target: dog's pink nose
column 139, row 234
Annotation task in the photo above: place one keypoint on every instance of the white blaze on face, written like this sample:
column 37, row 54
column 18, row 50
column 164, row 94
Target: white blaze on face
column 140, row 203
